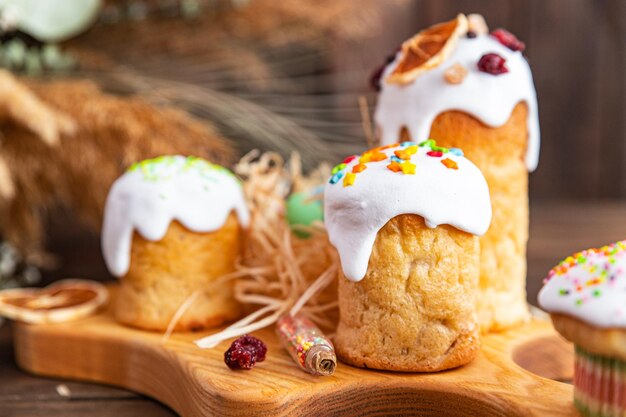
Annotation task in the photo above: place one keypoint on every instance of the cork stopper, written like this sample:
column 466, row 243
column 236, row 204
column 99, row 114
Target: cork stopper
column 321, row 360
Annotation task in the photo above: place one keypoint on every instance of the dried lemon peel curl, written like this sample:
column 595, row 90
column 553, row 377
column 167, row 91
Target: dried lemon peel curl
column 427, row 50
column 278, row 273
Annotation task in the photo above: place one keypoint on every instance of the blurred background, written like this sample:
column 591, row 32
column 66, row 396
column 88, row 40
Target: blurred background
column 289, row 75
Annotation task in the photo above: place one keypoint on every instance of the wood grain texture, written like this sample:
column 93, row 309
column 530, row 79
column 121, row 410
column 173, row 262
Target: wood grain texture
column 196, row 382
column 25, row 395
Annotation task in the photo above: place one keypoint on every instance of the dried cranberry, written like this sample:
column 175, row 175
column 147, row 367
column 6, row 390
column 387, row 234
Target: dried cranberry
column 508, row 39
column 492, row 64
column 245, row 352
column 240, row 358
column 377, row 75
column 251, row 342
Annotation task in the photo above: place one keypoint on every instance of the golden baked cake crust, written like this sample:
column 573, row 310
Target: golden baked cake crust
column 165, row 273
column 609, row 342
column 499, row 153
column 414, row 309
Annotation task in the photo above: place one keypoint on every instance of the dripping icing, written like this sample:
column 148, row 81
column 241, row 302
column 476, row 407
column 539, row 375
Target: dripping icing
column 590, row 286
column 440, row 194
column 489, row 98
column 153, row 193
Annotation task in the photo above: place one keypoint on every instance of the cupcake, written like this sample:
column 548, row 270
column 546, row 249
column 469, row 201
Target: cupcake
column 173, row 226
column 473, row 90
column 586, row 297
column 405, row 219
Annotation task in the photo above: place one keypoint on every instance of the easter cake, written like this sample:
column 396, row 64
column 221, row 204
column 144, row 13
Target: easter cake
column 471, row 89
column 586, row 297
column 172, row 228
column 405, row 220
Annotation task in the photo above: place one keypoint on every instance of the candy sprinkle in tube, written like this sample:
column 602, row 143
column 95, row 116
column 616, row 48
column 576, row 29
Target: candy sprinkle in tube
column 307, row 345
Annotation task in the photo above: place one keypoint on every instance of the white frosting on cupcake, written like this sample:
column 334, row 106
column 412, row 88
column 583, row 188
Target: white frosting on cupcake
column 153, row 193
column 367, row 191
column 589, row 286
column 489, row 98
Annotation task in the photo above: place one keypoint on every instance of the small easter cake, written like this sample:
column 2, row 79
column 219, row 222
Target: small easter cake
column 172, row 226
column 405, row 220
column 586, row 297
column 473, row 89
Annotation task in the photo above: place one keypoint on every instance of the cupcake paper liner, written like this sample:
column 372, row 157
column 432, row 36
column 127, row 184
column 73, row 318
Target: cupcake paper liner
column 599, row 385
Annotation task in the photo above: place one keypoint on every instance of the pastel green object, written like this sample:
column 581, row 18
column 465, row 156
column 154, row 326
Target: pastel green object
column 303, row 213
column 50, row 20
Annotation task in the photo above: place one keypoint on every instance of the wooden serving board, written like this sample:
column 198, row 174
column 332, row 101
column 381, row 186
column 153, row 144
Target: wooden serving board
column 196, row 382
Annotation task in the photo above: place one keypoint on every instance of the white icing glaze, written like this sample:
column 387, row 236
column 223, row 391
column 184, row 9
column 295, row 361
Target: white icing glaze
column 593, row 291
column 151, row 194
column 354, row 214
column 489, row 98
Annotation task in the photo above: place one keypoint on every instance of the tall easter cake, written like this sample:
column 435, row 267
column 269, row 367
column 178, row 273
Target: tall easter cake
column 473, row 90
column 404, row 219
column 586, row 297
column 172, row 226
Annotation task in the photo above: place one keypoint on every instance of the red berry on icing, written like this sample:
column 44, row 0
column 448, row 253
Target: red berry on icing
column 508, row 39
column 492, row 64
column 245, row 352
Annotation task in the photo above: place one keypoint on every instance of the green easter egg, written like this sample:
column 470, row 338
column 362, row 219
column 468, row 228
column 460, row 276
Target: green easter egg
column 301, row 212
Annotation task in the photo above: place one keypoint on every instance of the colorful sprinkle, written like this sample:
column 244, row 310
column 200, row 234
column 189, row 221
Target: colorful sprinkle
column 449, row 163
column 167, row 166
column 338, row 168
column 404, row 155
column 428, row 143
column 335, row 178
column 581, row 258
column 349, row 179
column 359, row 168
column 398, row 157
column 595, row 281
column 408, row 168
column 372, row 156
column 590, row 274
column 394, row 166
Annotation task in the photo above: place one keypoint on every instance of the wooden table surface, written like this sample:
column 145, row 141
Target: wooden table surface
column 557, row 229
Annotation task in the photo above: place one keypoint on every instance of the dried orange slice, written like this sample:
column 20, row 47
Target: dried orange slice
column 62, row 301
column 427, row 50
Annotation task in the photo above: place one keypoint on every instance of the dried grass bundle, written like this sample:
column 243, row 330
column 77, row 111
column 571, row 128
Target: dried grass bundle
column 94, row 137
column 234, row 42
column 276, row 264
